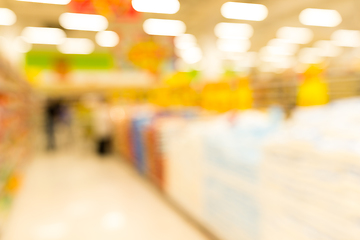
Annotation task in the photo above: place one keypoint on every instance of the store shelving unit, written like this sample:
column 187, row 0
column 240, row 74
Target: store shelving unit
column 15, row 109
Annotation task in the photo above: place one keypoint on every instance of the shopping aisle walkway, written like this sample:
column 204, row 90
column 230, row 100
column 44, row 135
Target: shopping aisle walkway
column 78, row 196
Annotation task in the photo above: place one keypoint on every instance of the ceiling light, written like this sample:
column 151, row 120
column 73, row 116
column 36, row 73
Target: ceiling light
column 267, row 55
column 244, row 11
column 295, row 35
column 38, row 35
column 320, row 17
column 156, row 6
column 22, row 46
column 185, row 41
column 346, row 38
column 310, row 56
column 327, row 48
column 247, row 60
column 7, row 17
column 285, row 63
column 57, row 2
column 282, row 47
column 76, row 46
column 192, row 55
column 107, row 39
column 234, row 30
column 164, row 27
column 231, row 45
column 84, row 22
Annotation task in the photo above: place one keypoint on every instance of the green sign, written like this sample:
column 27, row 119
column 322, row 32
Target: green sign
column 48, row 60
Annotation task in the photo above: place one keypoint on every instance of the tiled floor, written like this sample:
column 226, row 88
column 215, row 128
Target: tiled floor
column 77, row 196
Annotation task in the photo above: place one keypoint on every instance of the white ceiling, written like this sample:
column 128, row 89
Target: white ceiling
column 201, row 16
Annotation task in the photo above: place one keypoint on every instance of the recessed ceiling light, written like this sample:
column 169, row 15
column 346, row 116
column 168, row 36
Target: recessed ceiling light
column 107, row 39
column 282, row 47
column 76, row 46
column 7, row 17
column 267, row 54
column 39, row 35
column 295, row 34
column 310, row 56
column 156, row 6
column 233, row 45
column 164, row 27
column 185, row 41
column 346, row 38
column 84, row 22
column 57, row 2
column 191, row 55
column 244, row 11
column 320, row 17
column 234, row 30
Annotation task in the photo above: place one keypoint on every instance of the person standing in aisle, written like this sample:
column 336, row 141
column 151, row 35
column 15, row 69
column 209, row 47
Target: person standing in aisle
column 103, row 128
column 52, row 112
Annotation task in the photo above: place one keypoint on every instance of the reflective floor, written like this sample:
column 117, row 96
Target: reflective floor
column 78, row 196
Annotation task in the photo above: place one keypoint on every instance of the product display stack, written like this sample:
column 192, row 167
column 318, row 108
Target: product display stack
column 310, row 175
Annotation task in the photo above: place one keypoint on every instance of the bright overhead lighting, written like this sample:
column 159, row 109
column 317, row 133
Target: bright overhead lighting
column 39, row 35
column 22, row 46
column 244, row 11
column 320, row 17
column 76, row 46
column 267, row 54
column 244, row 60
column 285, row 63
column 234, row 30
column 185, row 41
column 282, row 47
column 346, row 38
column 310, row 56
column 233, row 45
column 156, row 6
column 327, row 48
column 57, row 2
column 84, row 22
column 107, row 39
column 191, row 55
column 164, row 27
column 295, row 35
column 7, row 17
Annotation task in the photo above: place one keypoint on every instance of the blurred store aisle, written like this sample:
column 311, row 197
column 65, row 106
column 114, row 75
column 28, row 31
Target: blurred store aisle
column 76, row 196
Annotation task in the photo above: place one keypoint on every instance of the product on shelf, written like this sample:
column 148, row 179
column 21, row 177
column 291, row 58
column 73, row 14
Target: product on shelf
column 15, row 109
column 310, row 174
column 251, row 175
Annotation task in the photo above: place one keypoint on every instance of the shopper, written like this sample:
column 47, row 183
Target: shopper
column 103, row 128
column 52, row 115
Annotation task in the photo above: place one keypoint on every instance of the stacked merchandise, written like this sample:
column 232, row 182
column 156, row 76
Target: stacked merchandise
column 138, row 128
column 184, row 164
column 141, row 138
column 14, row 130
column 233, row 158
column 154, row 156
column 123, row 135
column 210, row 166
column 213, row 170
column 154, row 150
column 310, row 175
